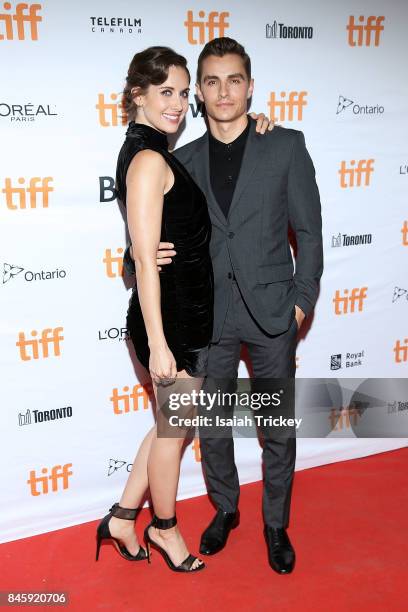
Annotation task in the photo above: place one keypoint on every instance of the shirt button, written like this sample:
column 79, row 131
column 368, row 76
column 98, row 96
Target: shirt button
column 229, row 158
column 231, row 234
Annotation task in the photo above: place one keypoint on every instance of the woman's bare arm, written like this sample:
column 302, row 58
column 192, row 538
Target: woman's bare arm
column 146, row 181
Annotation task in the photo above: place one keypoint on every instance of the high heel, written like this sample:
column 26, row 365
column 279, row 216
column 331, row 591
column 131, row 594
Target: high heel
column 103, row 532
column 186, row 565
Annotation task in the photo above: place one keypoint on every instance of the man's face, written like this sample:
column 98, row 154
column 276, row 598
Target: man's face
column 224, row 87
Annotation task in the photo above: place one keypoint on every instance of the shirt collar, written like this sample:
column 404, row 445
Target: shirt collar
column 222, row 146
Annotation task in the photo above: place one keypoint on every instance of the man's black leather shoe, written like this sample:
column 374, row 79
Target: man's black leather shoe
column 280, row 551
column 215, row 536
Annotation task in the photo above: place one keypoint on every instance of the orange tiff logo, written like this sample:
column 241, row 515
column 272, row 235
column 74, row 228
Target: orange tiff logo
column 25, row 14
column 373, row 25
column 404, row 232
column 340, row 419
column 113, row 264
column 287, row 108
column 125, row 401
column 110, row 114
column 346, row 303
column 401, row 351
column 39, row 347
column 353, row 175
column 39, row 485
column 214, row 27
column 38, row 190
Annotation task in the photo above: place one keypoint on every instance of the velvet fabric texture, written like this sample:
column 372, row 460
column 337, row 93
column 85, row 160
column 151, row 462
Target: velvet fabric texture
column 187, row 286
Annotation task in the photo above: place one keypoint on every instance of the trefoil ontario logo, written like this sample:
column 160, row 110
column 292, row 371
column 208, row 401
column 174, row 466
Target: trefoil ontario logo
column 10, row 271
column 358, row 109
column 117, row 464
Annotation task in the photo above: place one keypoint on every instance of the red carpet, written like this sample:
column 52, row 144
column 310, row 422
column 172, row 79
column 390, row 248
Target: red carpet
column 348, row 526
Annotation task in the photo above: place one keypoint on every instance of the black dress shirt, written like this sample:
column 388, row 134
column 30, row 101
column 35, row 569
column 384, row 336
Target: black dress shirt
column 225, row 164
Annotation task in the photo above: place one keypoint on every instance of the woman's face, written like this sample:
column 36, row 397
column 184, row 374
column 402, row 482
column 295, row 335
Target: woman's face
column 164, row 106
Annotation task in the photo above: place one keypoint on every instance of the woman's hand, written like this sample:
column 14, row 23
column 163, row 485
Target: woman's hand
column 164, row 254
column 162, row 365
column 262, row 122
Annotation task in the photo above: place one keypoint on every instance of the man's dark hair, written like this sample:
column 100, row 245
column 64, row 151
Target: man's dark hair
column 220, row 47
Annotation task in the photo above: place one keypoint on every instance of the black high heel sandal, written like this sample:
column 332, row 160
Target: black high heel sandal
column 103, row 533
column 185, row 566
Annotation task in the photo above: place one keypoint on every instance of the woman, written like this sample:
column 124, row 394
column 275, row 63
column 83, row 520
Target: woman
column 170, row 315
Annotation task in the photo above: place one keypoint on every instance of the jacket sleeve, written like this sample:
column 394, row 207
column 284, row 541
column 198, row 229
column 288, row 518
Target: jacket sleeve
column 306, row 221
column 184, row 156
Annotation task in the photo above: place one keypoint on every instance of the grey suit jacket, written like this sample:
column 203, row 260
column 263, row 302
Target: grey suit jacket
column 276, row 187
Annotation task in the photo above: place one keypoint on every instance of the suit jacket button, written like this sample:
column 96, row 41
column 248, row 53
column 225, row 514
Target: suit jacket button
column 231, row 234
column 229, row 275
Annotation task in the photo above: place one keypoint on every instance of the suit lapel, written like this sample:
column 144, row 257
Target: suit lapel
column 201, row 165
column 253, row 153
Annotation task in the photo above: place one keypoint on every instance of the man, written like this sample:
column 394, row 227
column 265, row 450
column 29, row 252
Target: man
column 255, row 186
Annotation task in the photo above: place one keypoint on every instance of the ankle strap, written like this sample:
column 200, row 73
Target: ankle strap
column 124, row 513
column 164, row 523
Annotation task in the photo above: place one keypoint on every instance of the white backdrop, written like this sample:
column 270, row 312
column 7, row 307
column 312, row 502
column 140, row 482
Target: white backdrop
column 70, row 428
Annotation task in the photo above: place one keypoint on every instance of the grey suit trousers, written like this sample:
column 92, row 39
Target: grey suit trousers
column 271, row 356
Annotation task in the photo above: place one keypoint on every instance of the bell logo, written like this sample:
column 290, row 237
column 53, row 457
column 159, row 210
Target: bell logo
column 295, row 101
column 125, row 401
column 48, row 336
column 404, row 232
column 110, row 114
column 215, row 26
column 107, row 191
column 114, row 265
column 196, row 449
column 346, row 304
column 352, row 176
column 401, row 351
column 24, row 14
column 39, row 484
column 373, row 25
column 16, row 196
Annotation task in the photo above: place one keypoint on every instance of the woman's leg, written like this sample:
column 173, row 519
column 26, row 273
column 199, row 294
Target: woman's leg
column 164, row 467
column 132, row 495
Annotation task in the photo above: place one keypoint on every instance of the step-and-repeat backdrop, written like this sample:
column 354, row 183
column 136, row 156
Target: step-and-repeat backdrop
column 75, row 404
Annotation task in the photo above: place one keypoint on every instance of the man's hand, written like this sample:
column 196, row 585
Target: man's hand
column 164, row 254
column 300, row 316
column 262, row 122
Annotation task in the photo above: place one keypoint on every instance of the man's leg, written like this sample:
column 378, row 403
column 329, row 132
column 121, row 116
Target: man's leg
column 216, row 443
column 274, row 357
column 217, row 453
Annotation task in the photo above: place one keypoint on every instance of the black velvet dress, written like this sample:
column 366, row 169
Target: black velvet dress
column 186, row 284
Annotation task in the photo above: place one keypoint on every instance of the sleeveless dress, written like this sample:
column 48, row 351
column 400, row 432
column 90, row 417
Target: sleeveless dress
column 187, row 285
